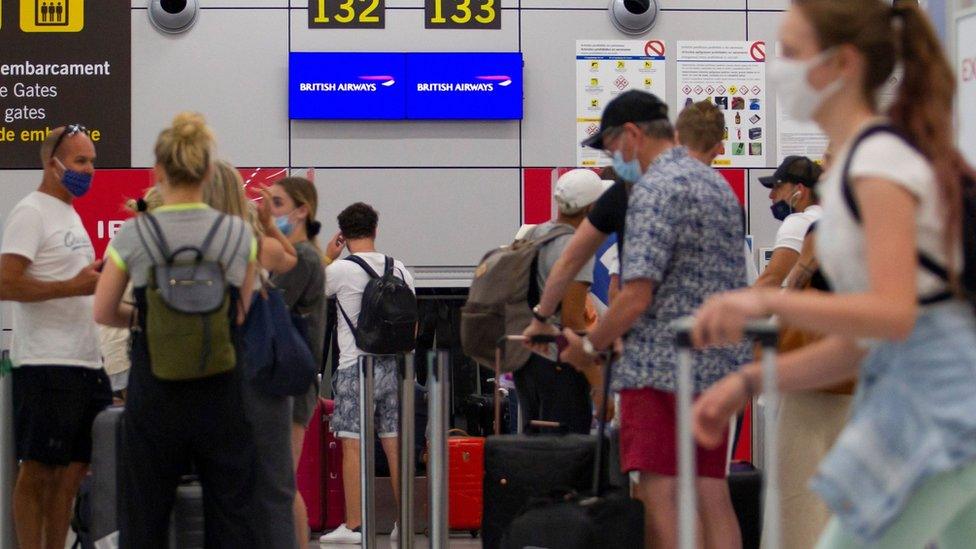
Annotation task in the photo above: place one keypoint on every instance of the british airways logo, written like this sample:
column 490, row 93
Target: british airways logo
column 367, row 83
column 481, row 84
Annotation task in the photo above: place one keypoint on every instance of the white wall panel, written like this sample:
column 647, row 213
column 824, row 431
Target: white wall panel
column 402, row 143
column 549, row 128
column 664, row 4
column 435, row 217
column 232, row 66
column 765, row 26
column 762, row 224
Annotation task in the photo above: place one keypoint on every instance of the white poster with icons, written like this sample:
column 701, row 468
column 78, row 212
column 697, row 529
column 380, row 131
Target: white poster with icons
column 732, row 75
column 604, row 70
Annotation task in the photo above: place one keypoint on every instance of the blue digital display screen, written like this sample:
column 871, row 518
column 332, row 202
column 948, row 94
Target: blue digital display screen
column 346, row 86
column 474, row 86
column 394, row 86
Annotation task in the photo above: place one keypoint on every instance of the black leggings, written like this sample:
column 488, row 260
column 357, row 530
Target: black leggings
column 554, row 392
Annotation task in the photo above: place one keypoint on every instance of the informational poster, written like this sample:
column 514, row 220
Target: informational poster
column 731, row 74
column 65, row 62
column 604, row 70
column 966, row 69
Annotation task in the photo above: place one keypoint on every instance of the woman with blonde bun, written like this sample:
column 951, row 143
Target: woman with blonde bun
column 171, row 428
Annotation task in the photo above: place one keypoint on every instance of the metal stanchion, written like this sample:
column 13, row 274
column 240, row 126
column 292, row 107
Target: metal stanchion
column 687, row 503
column 771, row 517
column 438, row 386
column 367, row 455
column 407, row 465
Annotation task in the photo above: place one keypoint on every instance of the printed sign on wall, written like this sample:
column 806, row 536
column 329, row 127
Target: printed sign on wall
column 732, row 74
column 65, row 62
column 604, row 70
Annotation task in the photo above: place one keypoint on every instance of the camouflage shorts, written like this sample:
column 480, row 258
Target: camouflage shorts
column 345, row 419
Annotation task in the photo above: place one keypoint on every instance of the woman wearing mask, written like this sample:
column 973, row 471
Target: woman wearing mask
column 293, row 204
column 172, row 423
column 903, row 471
column 269, row 415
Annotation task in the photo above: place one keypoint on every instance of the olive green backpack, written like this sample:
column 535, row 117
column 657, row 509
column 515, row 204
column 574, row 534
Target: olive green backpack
column 188, row 307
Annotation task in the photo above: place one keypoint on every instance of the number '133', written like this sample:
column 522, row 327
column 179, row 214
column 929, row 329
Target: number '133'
column 462, row 14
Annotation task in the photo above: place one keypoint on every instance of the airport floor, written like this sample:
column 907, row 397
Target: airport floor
column 460, row 541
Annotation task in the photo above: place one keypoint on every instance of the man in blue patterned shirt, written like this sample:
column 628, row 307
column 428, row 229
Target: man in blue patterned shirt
column 684, row 242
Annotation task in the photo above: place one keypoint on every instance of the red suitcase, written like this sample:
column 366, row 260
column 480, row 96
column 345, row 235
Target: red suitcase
column 466, row 471
column 319, row 474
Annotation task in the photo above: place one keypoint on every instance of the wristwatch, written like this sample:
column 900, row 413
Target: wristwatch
column 539, row 316
column 588, row 347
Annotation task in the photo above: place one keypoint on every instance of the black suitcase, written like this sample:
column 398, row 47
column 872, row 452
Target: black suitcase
column 599, row 518
column 576, row 521
column 105, row 468
column 519, row 468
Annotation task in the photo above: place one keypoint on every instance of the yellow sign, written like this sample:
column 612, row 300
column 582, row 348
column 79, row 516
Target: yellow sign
column 594, row 65
column 594, row 82
column 621, row 65
column 52, row 15
column 648, row 64
column 594, row 103
column 648, row 82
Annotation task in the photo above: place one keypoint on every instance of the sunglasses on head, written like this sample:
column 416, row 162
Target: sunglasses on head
column 69, row 130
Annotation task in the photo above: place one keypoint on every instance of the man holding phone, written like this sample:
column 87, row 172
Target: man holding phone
column 48, row 269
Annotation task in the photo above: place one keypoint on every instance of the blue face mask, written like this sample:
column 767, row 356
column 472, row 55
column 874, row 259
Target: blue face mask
column 77, row 183
column 284, row 224
column 628, row 171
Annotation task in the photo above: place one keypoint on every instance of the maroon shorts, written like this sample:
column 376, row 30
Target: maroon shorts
column 648, row 438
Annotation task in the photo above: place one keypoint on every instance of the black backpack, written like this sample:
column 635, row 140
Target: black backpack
column 388, row 316
column 967, row 280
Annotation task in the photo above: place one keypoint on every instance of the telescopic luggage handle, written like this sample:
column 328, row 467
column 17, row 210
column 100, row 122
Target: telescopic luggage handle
column 766, row 333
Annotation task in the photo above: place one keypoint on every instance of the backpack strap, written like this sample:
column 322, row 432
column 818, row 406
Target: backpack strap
column 362, row 263
column 157, row 236
column 145, row 243
column 387, row 266
column 534, row 293
column 925, row 260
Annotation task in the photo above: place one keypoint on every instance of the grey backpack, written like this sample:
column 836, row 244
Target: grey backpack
column 500, row 301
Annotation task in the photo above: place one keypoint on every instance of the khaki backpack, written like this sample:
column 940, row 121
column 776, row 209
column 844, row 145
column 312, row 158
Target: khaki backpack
column 500, row 301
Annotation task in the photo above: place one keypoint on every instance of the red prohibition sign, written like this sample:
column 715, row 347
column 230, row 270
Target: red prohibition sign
column 654, row 48
column 758, row 51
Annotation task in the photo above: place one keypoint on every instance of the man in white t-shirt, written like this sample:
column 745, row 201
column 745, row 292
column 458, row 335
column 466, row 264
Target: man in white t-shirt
column 48, row 269
column 345, row 280
column 795, row 204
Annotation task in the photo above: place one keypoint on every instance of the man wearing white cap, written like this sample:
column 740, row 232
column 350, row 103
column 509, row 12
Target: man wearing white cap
column 546, row 390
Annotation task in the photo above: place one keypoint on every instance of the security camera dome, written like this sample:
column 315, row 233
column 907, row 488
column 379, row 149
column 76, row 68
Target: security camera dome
column 173, row 16
column 633, row 16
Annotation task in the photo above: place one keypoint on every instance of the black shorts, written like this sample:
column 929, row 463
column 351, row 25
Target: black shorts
column 54, row 408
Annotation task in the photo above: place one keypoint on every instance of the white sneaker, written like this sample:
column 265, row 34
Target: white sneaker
column 343, row 535
column 395, row 534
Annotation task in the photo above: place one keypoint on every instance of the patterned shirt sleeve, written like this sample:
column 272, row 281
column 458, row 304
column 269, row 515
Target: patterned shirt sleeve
column 653, row 222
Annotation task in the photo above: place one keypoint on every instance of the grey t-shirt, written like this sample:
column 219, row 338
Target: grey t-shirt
column 550, row 253
column 233, row 245
column 304, row 289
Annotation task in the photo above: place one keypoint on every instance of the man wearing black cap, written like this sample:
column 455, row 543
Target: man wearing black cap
column 683, row 243
column 795, row 204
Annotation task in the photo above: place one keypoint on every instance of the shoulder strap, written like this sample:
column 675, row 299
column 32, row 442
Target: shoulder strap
column 156, row 234
column 362, row 263
column 212, row 232
column 845, row 177
column 352, row 327
column 557, row 232
column 387, row 266
column 924, row 259
column 145, row 243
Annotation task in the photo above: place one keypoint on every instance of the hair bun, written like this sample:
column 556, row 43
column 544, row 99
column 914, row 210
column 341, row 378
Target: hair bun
column 313, row 228
column 191, row 126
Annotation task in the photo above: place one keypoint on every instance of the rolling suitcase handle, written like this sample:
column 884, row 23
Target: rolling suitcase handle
column 767, row 334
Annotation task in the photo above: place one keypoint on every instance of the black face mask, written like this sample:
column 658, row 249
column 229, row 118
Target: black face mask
column 781, row 210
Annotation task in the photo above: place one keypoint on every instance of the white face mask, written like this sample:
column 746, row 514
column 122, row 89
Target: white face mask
column 797, row 96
